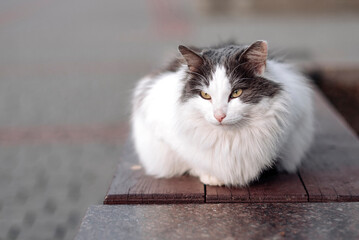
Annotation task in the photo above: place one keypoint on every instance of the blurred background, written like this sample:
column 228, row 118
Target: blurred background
column 67, row 69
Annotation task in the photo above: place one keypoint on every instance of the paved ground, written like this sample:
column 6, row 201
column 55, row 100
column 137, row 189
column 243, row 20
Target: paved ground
column 66, row 72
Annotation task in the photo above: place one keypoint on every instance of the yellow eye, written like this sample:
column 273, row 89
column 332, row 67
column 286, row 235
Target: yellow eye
column 205, row 95
column 236, row 93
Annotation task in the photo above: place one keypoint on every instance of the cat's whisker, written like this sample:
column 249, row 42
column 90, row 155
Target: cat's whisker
column 239, row 79
column 200, row 75
column 236, row 68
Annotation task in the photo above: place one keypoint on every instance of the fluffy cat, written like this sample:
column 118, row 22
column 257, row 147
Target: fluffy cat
column 223, row 114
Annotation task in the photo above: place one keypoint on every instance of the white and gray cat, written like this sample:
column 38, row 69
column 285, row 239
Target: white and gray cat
column 224, row 114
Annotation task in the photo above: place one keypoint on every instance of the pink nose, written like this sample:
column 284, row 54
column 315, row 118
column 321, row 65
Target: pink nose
column 220, row 116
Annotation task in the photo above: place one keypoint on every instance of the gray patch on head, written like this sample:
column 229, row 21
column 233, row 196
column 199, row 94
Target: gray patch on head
column 212, row 57
column 240, row 75
column 256, row 88
column 227, row 55
column 195, row 80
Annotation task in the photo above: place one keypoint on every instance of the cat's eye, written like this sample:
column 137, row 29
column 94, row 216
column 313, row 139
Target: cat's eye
column 236, row 93
column 205, row 95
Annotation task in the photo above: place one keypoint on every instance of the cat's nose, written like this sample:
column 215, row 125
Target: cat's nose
column 219, row 115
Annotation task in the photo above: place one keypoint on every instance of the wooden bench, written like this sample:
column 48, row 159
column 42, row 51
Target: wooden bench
column 278, row 205
column 329, row 173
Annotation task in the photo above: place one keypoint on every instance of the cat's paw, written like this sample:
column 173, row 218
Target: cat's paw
column 210, row 180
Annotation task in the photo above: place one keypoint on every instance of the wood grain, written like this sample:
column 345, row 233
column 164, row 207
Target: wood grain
column 331, row 170
column 271, row 187
column 132, row 186
column 226, row 194
column 278, row 187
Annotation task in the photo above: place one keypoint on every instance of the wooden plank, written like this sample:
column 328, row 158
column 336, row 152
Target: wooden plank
column 331, row 170
column 222, row 221
column 271, row 187
column 132, row 186
column 278, row 187
column 226, row 194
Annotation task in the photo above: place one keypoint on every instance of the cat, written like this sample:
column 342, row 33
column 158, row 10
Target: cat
column 224, row 114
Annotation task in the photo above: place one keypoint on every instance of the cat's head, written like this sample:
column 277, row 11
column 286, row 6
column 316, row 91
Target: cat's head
column 225, row 84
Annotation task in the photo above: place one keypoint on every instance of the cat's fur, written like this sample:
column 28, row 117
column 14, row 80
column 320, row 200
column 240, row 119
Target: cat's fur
column 175, row 130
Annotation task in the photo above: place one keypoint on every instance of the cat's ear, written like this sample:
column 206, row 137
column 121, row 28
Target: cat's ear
column 255, row 57
column 194, row 60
